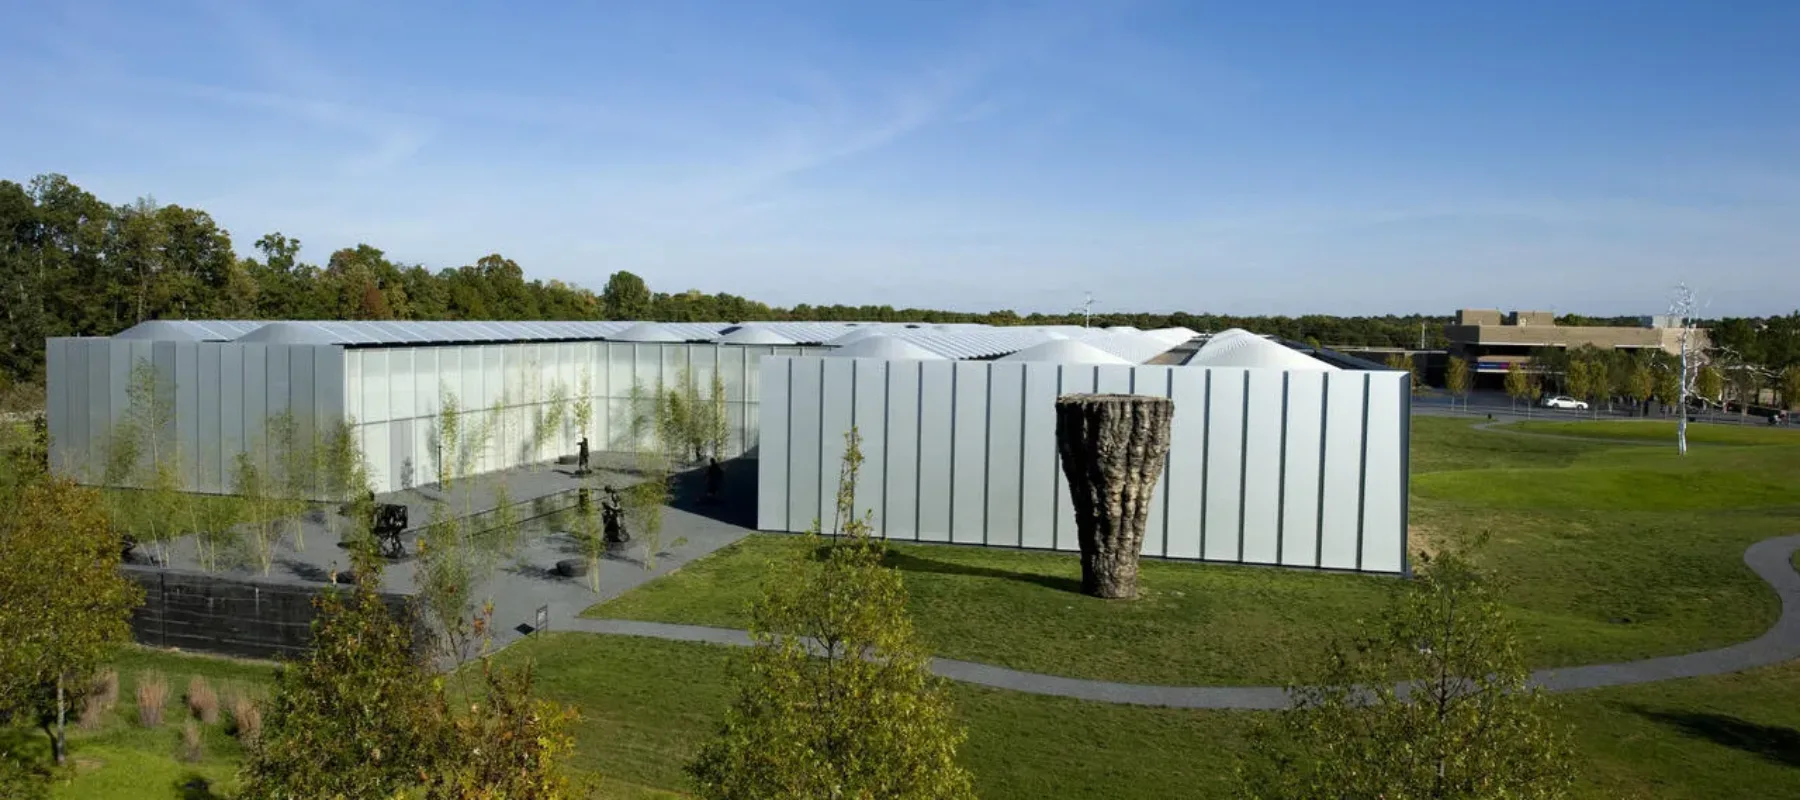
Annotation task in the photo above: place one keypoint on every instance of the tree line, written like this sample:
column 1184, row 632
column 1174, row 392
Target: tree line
column 72, row 264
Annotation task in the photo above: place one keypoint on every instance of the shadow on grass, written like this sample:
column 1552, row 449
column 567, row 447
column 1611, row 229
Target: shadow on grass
column 1772, row 742
column 906, row 562
column 194, row 787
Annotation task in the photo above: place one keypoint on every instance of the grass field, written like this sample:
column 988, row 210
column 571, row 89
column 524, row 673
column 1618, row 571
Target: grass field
column 1664, row 431
column 124, row 761
column 648, row 705
column 1608, row 552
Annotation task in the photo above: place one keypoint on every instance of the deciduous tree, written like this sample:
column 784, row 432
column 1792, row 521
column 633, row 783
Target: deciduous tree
column 1456, row 379
column 1517, row 386
column 65, row 604
column 1789, row 385
column 835, row 699
column 509, row 745
column 1709, row 384
column 1433, row 701
column 359, row 716
column 626, row 297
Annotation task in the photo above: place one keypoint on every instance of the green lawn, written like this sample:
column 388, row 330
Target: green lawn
column 1664, row 430
column 647, row 705
column 1025, row 610
column 124, row 761
column 1608, row 552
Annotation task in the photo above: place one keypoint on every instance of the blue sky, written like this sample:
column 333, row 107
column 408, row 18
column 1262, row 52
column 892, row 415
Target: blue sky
column 1270, row 157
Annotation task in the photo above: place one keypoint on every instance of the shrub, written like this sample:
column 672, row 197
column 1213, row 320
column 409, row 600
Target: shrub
column 93, row 712
column 246, row 718
column 152, row 695
column 189, row 750
column 106, row 688
column 202, row 700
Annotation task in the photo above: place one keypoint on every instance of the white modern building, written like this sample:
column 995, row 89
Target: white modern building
column 1276, row 457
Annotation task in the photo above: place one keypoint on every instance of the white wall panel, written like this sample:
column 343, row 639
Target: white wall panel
column 1303, row 447
column 279, row 377
column 375, row 386
column 1005, row 448
column 231, row 412
column 120, row 361
column 1384, row 473
column 772, row 466
column 900, row 503
column 1261, row 502
column 972, row 443
column 95, row 396
column 937, row 386
column 869, row 415
column 804, row 396
column 186, row 391
column 1221, row 532
column 353, row 398
column 256, row 403
column 1041, row 479
column 300, row 394
column 1155, row 383
column 209, row 419
column 839, row 380
column 1342, row 494
column 1186, row 468
column 968, row 452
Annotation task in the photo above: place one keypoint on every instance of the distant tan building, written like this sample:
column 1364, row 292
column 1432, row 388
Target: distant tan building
column 1492, row 341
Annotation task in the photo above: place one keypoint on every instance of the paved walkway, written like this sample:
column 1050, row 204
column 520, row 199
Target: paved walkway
column 1769, row 559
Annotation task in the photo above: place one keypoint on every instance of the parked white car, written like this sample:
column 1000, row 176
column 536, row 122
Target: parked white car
column 1565, row 401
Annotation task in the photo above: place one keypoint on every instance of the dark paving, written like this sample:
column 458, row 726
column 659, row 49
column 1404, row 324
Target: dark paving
column 1769, row 559
column 521, row 582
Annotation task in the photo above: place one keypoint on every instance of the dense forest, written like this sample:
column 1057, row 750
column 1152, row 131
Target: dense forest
column 74, row 265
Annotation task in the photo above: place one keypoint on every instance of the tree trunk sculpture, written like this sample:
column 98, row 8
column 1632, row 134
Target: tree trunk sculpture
column 1112, row 449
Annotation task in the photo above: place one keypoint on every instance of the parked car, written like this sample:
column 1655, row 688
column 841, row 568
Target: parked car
column 1565, row 401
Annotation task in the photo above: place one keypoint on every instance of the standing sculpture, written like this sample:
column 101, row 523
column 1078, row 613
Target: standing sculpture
column 1112, row 447
column 612, row 515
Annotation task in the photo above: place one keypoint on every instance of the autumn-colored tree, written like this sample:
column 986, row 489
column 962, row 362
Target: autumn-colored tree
column 1456, row 378
column 64, row 605
column 510, row 745
column 1517, row 386
column 1433, row 702
column 835, row 699
column 1404, row 361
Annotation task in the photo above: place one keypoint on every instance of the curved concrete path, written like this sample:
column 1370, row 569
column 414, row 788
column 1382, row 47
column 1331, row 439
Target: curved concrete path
column 1769, row 559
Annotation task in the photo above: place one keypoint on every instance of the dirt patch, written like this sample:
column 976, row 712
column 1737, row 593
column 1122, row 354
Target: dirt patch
column 1420, row 539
